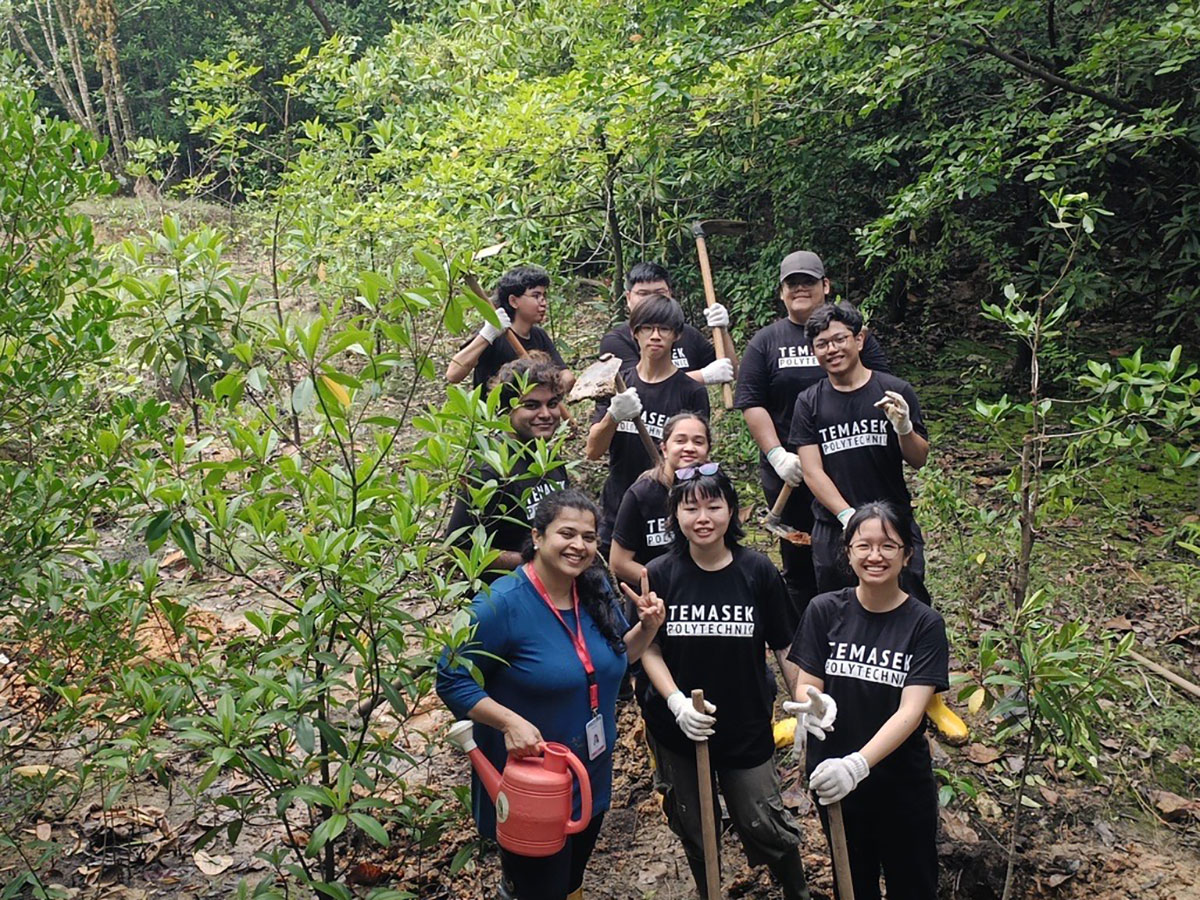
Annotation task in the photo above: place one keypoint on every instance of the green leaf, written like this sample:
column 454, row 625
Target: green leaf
column 303, row 395
column 372, row 827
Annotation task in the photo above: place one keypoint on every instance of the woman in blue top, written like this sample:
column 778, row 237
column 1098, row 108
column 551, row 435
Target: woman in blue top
column 535, row 686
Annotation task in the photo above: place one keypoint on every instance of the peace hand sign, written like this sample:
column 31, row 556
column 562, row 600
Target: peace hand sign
column 650, row 609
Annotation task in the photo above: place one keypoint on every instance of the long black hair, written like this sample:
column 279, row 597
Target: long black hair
column 705, row 487
column 597, row 593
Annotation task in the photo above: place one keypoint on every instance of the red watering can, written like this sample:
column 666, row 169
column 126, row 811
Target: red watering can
column 532, row 796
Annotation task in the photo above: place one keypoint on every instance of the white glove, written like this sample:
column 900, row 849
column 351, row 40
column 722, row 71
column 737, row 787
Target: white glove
column 716, row 316
column 490, row 332
column 625, row 406
column 786, row 466
column 817, row 714
column 696, row 725
column 833, row 779
column 718, row 371
column 895, row 407
column 845, row 516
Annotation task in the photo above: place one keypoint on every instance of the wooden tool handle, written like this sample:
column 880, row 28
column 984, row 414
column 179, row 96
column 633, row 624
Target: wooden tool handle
column 841, row 855
column 708, row 822
column 722, row 342
column 640, row 424
column 776, row 513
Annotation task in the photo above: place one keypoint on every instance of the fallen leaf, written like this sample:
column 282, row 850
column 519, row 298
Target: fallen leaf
column 367, row 873
column 1015, row 763
column 651, row 873
column 988, row 808
column 211, row 865
column 1181, row 754
column 1120, row 623
column 981, row 755
column 43, row 831
column 957, row 829
column 1055, row 880
column 975, row 701
column 1050, row 796
column 1172, row 806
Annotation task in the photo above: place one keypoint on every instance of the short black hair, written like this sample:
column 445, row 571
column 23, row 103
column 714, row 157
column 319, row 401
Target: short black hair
column 522, row 375
column 647, row 271
column 516, row 282
column 826, row 315
column 703, row 487
column 657, row 310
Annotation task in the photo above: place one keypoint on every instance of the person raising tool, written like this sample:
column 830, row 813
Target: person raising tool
column 656, row 390
column 854, row 432
column 550, row 643
column 692, row 352
column 725, row 604
column 777, row 365
column 531, row 389
column 520, row 301
column 871, row 658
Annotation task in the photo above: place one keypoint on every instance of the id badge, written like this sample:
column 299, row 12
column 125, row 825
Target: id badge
column 595, row 736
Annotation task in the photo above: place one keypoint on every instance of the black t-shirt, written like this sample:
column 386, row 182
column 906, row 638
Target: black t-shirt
column 719, row 625
column 691, row 352
column 866, row 660
column 778, row 365
column 859, row 448
column 500, row 352
column 508, row 514
column 641, row 525
column 627, row 458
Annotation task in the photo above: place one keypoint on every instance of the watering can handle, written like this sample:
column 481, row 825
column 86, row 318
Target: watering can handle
column 574, row 826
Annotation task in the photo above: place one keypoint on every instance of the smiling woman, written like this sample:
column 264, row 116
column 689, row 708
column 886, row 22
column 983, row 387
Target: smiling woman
column 723, row 602
column 551, row 644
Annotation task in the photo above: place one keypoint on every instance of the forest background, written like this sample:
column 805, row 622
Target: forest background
column 234, row 238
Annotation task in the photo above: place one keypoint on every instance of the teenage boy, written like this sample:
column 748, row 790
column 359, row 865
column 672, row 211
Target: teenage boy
column 656, row 390
column 854, row 431
column 520, row 302
column 777, row 366
column 692, row 352
column 531, row 388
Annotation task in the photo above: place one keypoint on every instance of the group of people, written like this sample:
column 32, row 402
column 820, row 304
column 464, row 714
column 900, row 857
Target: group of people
column 860, row 649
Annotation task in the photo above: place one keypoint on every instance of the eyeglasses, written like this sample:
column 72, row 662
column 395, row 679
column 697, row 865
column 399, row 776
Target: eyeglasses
column 888, row 551
column 838, row 341
column 691, row 472
column 661, row 330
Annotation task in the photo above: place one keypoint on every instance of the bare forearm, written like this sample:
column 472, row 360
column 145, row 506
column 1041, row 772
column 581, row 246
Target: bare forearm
column 637, row 639
column 495, row 715
column 623, row 564
column 762, row 429
column 789, row 670
column 818, row 480
column 600, row 437
column 902, row 723
column 656, row 670
column 463, row 362
column 914, row 449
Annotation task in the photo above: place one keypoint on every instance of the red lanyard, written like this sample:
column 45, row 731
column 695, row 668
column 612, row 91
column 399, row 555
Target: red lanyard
column 577, row 640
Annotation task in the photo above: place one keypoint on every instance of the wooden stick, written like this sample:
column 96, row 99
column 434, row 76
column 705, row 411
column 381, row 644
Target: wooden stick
column 841, row 854
column 708, row 822
column 640, row 424
column 1177, row 680
column 723, row 343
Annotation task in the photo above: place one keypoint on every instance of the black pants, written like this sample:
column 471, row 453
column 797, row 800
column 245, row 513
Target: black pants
column 891, row 827
column 797, row 561
column 551, row 877
column 833, row 571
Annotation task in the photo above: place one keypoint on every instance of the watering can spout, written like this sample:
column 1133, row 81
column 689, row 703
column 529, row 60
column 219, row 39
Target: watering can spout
column 461, row 735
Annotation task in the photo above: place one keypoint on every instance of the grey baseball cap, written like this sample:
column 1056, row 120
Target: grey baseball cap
column 801, row 262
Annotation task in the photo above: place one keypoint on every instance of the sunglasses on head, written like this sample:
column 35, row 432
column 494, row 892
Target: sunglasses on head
column 690, row 472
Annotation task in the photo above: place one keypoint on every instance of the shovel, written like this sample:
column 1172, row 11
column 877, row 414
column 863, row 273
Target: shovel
column 841, row 855
column 723, row 343
column 600, row 381
column 774, row 521
column 708, row 822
